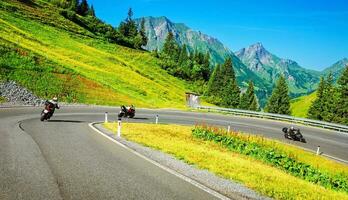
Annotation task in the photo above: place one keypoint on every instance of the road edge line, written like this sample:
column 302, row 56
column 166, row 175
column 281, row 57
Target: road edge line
column 185, row 178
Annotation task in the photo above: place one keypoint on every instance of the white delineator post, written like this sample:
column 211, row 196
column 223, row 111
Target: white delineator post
column 318, row 150
column 228, row 129
column 106, row 117
column 156, row 119
column 119, row 128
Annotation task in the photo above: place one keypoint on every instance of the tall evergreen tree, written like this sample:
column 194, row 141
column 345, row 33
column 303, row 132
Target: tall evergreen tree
column 74, row 5
column 343, row 97
column 249, row 99
column 230, row 91
column 83, row 8
column 128, row 28
column 215, row 82
column 316, row 109
column 329, row 100
column 279, row 102
column 170, row 47
column 91, row 11
column 142, row 33
column 206, row 66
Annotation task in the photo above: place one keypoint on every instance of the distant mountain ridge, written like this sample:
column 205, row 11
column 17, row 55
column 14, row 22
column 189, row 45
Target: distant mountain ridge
column 269, row 67
column 157, row 29
column 251, row 63
column 336, row 69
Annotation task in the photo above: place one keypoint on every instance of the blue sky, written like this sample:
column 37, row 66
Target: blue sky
column 313, row 33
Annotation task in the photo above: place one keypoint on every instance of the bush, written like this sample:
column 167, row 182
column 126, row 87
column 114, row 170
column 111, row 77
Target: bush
column 234, row 142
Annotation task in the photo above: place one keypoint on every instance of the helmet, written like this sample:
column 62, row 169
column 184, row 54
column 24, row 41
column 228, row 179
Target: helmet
column 292, row 128
column 55, row 99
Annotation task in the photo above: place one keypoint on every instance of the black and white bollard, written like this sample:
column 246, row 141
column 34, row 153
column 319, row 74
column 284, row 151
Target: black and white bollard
column 318, row 150
column 106, row 117
column 156, row 119
column 228, row 129
column 119, row 128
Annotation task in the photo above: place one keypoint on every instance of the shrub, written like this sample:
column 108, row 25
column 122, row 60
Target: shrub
column 236, row 143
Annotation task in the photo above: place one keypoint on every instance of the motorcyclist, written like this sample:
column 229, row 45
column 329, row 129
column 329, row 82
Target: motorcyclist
column 130, row 108
column 52, row 105
column 292, row 131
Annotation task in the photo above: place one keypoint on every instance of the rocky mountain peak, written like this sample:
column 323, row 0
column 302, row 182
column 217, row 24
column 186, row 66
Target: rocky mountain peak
column 256, row 51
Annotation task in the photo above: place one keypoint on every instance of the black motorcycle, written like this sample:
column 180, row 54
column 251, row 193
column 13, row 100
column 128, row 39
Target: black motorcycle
column 293, row 134
column 127, row 112
column 48, row 111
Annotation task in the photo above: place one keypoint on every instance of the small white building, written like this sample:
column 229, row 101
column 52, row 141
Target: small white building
column 192, row 99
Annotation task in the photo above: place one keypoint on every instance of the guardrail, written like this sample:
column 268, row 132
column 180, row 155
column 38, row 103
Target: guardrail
column 310, row 122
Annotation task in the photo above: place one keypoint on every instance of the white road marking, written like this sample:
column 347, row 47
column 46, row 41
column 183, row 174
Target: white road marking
column 185, row 178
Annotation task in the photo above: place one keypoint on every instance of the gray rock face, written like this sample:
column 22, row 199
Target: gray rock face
column 15, row 94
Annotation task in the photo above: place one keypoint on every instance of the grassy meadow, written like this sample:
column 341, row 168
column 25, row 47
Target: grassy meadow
column 51, row 55
column 253, row 173
column 300, row 106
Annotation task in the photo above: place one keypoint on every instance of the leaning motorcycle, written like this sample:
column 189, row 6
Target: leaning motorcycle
column 127, row 112
column 47, row 112
column 293, row 135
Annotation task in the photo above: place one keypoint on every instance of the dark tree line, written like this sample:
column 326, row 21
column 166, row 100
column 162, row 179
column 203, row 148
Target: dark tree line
column 127, row 34
column 179, row 61
column 80, row 7
column 331, row 104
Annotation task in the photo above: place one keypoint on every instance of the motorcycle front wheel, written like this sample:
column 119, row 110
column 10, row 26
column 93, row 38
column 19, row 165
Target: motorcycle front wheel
column 42, row 118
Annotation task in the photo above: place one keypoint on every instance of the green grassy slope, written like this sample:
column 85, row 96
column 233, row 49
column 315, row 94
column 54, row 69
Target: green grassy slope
column 51, row 55
column 300, row 106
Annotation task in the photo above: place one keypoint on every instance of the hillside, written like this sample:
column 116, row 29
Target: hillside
column 50, row 55
column 269, row 67
column 300, row 106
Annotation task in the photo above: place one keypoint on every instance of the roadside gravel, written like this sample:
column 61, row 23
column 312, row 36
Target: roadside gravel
column 228, row 188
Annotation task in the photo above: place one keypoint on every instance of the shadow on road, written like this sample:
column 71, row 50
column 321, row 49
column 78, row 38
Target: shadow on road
column 67, row 121
column 141, row 118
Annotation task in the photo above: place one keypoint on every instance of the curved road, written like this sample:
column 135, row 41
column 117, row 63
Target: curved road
column 65, row 159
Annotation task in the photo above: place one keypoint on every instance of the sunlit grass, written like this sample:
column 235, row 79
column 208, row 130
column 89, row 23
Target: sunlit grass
column 125, row 75
column 300, row 106
column 178, row 141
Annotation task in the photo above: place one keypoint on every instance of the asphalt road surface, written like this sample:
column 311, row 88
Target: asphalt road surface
column 65, row 159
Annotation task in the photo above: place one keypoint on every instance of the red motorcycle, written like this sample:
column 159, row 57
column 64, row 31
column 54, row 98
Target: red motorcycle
column 127, row 112
column 48, row 111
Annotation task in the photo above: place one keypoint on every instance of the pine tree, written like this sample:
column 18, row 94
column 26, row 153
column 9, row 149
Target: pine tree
column 249, row 99
column 142, row 33
column 215, row 83
column 183, row 55
column 74, row 5
column 83, row 8
column 329, row 100
column 91, row 11
column 230, row 93
column 316, row 109
column 206, row 67
column 170, row 47
column 128, row 28
column 343, row 97
column 279, row 102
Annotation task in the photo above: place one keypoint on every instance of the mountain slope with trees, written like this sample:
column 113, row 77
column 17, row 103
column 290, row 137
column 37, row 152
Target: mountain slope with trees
column 269, row 67
column 158, row 28
column 53, row 49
